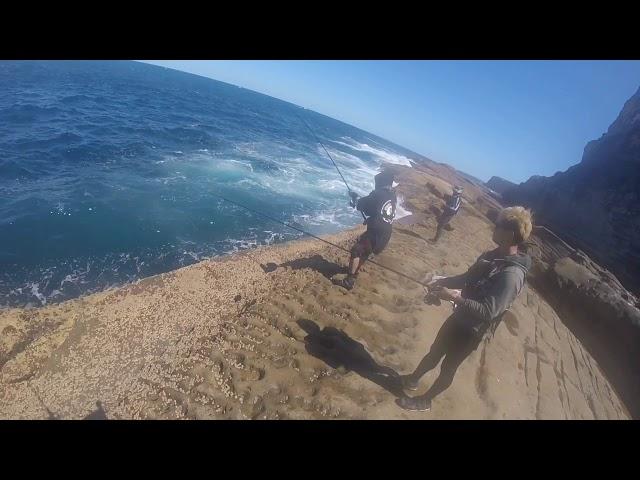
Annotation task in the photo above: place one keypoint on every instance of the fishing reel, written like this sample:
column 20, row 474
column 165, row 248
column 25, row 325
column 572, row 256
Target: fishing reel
column 432, row 299
column 431, row 288
column 354, row 199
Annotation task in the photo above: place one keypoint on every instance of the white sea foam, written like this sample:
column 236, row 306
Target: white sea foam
column 383, row 155
column 34, row 287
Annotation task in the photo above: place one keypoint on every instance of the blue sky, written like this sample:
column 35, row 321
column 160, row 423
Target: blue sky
column 513, row 119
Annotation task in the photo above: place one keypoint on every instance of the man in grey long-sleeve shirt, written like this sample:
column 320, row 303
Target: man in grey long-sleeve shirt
column 481, row 296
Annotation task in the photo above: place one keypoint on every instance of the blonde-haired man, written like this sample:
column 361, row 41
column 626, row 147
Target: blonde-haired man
column 480, row 296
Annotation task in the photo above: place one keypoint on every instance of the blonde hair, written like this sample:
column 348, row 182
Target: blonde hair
column 518, row 220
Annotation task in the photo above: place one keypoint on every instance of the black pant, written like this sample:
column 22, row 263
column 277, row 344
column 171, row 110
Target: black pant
column 455, row 342
column 443, row 221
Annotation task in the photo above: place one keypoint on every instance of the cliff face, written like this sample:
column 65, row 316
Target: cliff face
column 596, row 203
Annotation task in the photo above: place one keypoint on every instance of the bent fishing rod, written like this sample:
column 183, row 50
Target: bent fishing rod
column 351, row 192
column 288, row 225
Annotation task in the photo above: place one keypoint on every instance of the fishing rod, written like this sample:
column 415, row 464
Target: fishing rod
column 351, row 192
column 269, row 217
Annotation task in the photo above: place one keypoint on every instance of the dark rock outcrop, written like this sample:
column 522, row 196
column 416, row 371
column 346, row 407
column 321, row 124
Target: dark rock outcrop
column 595, row 204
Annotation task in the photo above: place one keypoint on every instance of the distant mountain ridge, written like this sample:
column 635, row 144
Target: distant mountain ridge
column 500, row 185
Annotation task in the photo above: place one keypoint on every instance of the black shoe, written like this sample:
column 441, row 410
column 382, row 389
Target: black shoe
column 349, row 282
column 408, row 383
column 416, row 404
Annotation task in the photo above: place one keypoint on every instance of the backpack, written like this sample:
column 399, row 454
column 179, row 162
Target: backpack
column 485, row 270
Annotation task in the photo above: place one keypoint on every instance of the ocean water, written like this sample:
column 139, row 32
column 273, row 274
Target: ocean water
column 108, row 171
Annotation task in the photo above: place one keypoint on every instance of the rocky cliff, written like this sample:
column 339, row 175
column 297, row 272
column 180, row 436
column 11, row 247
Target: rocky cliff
column 595, row 205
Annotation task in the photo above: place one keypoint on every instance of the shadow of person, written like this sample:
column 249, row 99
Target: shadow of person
column 337, row 349
column 98, row 414
column 454, row 342
column 410, row 233
column 269, row 267
column 316, row 262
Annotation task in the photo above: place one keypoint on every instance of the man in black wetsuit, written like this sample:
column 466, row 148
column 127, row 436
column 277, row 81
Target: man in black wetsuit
column 451, row 208
column 379, row 208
